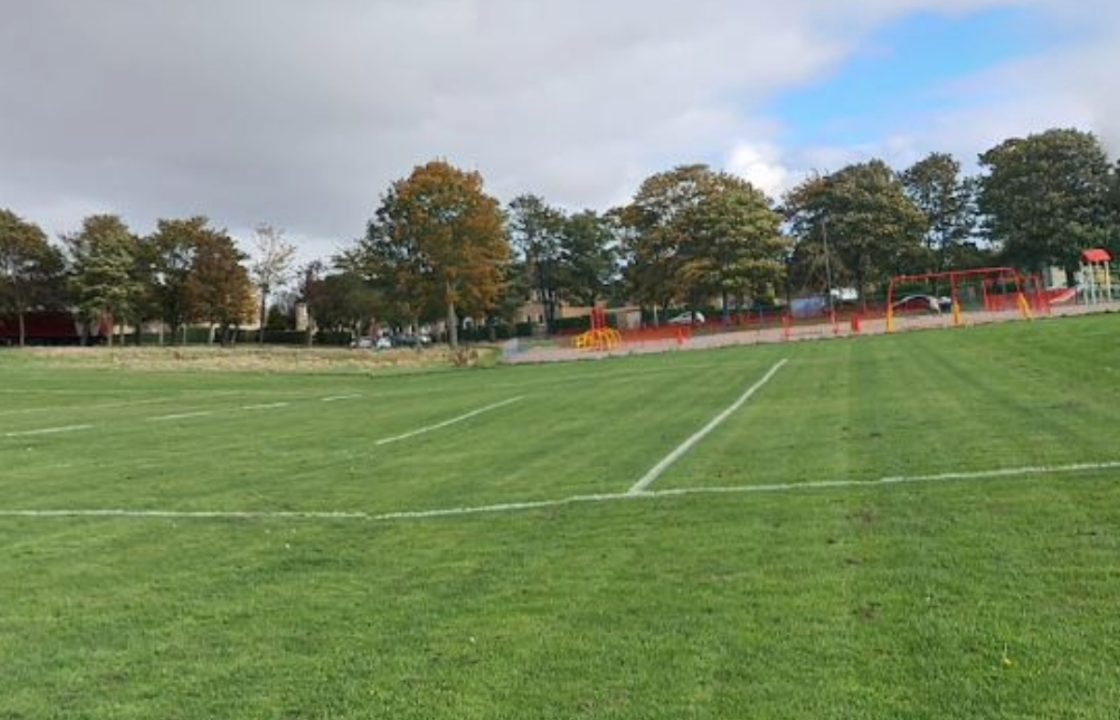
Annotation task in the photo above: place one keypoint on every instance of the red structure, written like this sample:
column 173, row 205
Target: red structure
column 993, row 290
column 41, row 328
column 601, row 336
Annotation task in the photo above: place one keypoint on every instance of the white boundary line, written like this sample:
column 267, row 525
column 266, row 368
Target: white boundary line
column 445, row 423
column 266, row 406
column 339, row 398
column 655, row 472
column 1028, row 471
column 83, row 408
column 181, row 416
column 47, row 431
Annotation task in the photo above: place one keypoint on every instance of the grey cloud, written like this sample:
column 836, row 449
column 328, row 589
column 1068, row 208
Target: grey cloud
column 301, row 113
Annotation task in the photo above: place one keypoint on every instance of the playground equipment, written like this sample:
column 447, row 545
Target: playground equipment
column 938, row 299
column 601, row 337
column 1096, row 276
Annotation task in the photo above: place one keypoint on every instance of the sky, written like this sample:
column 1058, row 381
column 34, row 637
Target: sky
column 300, row 113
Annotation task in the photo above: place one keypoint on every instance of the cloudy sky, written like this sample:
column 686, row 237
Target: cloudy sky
column 300, row 112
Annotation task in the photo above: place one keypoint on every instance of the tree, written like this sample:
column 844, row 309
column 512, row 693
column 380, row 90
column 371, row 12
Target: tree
column 344, row 301
column 935, row 185
column 693, row 234
column 587, row 258
column 737, row 248
column 103, row 256
column 1045, row 198
column 516, row 292
column 30, row 269
column 272, row 265
column 172, row 248
column 437, row 238
column 653, row 231
column 536, row 231
column 217, row 286
column 309, row 276
column 861, row 221
column 1114, row 212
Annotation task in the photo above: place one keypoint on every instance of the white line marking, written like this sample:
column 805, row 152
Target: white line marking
column 181, row 416
column 82, row 408
column 655, row 472
column 266, row 406
column 445, row 423
column 340, row 398
column 1029, row 471
column 48, row 431
column 192, row 514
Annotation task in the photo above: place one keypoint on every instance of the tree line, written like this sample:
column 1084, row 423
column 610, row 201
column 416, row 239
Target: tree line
column 440, row 248
column 185, row 272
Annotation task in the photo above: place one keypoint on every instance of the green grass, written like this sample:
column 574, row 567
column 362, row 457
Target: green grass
column 952, row 599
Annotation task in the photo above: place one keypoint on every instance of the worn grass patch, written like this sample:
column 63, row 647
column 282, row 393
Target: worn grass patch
column 255, row 359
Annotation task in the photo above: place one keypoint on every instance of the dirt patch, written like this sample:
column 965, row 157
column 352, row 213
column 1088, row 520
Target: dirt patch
column 260, row 360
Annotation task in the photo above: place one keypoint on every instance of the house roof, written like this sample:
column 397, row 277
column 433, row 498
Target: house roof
column 1096, row 256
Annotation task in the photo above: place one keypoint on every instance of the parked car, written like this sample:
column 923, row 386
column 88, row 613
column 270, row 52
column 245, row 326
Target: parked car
column 687, row 318
column 377, row 343
column 923, row 303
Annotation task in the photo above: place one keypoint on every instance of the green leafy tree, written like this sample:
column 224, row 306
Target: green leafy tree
column 172, row 249
column 438, row 239
column 1114, row 213
column 517, row 288
column 104, row 256
column 653, row 230
column 693, row 234
column 737, row 249
column 859, row 223
column 587, row 262
column 1045, row 198
column 218, row 289
column 344, row 302
column 945, row 198
column 30, row 269
column 536, row 232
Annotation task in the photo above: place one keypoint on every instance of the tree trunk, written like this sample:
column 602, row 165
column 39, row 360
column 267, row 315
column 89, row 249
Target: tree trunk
column 22, row 328
column 1071, row 276
column 452, row 325
column 264, row 315
column 543, row 295
column 726, row 310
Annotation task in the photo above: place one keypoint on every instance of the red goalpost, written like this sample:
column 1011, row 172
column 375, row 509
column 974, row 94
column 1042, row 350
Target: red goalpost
column 959, row 297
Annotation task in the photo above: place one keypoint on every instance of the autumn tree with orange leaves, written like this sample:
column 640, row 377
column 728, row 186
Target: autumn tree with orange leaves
column 437, row 241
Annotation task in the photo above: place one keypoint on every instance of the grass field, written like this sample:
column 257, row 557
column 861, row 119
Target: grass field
column 979, row 580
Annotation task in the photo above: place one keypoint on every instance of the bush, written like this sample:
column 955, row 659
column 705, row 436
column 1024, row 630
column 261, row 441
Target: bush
column 333, row 339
